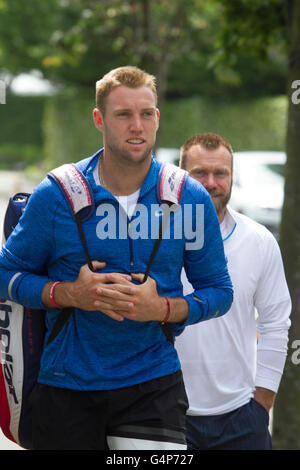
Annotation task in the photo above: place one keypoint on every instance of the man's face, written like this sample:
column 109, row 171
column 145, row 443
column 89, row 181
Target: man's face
column 213, row 168
column 129, row 124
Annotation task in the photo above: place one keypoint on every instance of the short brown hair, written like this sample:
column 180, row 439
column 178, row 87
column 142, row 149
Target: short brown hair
column 208, row 140
column 129, row 76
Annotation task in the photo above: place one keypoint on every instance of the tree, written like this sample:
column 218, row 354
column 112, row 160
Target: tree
column 148, row 34
column 25, row 32
column 75, row 41
column 256, row 26
column 287, row 411
column 78, row 40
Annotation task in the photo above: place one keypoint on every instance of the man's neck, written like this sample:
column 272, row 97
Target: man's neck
column 122, row 180
column 221, row 215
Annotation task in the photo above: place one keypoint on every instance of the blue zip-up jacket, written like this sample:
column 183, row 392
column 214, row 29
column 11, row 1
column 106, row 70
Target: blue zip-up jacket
column 95, row 352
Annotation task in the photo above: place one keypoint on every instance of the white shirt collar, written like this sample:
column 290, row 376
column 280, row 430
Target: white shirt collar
column 228, row 224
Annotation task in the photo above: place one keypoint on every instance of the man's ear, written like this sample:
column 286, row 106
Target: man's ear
column 98, row 119
column 157, row 117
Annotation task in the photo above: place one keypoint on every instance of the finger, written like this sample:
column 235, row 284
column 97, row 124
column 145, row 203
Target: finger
column 138, row 276
column 114, row 315
column 118, row 314
column 108, row 303
column 119, row 291
column 118, row 278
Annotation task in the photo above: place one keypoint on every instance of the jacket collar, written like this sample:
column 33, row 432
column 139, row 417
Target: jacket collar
column 102, row 193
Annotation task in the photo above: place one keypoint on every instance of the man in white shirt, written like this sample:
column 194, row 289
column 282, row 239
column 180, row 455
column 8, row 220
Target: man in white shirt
column 232, row 366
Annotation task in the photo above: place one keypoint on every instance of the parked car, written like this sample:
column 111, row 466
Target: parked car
column 258, row 188
column 171, row 155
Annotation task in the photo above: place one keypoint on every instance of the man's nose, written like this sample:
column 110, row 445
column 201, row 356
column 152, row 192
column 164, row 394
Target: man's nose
column 210, row 181
column 136, row 123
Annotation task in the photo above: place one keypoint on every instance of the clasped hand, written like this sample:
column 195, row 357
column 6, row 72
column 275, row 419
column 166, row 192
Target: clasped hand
column 115, row 295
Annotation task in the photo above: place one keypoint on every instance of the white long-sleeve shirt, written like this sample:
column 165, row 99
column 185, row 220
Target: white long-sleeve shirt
column 222, row 360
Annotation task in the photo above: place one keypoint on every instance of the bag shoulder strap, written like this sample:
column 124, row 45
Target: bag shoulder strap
column 169, row 187
column 79, row 197
column 75, row 188
column 170, row 183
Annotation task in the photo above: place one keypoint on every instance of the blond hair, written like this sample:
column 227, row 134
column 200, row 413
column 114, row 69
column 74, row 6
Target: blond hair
column 128, row 76
column 208, row 141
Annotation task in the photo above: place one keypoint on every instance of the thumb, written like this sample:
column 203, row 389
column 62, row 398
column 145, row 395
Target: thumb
column 97, row 265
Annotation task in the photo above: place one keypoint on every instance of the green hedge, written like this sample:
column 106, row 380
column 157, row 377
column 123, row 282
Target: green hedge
column 21, row 135
column 41, row 131
column 248, row 125
column 69, row 130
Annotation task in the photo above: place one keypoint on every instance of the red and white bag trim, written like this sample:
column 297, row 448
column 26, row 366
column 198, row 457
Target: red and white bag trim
column 74, row 186
column 171, row 183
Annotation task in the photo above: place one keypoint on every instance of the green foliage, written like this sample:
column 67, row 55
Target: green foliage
column 76, row 41
column 251, row 26
column 249, row 78
column 69, row 130
column 25, row 33
column 49, row 131
column 257, row 124
column 21, row 136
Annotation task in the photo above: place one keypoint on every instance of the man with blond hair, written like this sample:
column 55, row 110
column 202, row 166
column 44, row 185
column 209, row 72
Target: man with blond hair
column 231, row 381
column 110, row 378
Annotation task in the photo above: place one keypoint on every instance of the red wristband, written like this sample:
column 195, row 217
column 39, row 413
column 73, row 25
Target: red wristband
column 52, row 295
column 168, row 312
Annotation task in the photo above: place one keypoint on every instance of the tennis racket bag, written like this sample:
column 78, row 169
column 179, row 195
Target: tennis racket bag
column 22, row 330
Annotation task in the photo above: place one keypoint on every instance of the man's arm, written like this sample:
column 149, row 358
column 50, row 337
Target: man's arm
column 115, row 295
column 273, row 304
column 265, row 397
column 28, row 249
column 86, row 292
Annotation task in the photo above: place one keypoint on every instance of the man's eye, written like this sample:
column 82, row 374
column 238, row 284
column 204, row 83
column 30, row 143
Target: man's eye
column 148, row 114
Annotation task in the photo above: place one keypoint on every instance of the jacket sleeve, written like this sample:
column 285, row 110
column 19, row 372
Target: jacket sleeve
column 24, row 256
column 205, row 265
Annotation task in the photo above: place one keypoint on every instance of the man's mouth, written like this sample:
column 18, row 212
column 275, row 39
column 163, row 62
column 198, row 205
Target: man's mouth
column 135, row 141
